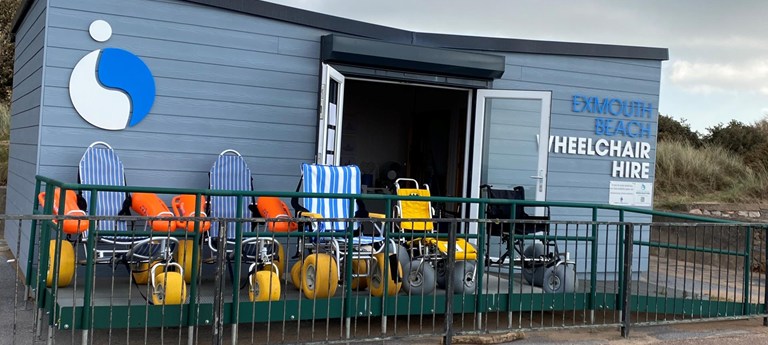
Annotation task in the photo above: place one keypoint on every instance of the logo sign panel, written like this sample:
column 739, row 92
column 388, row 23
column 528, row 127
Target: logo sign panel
column 111, row 88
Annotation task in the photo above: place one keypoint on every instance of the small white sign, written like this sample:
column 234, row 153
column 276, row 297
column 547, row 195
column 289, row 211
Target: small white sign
column 330, row 143
column 631, row 193
column 332, row 114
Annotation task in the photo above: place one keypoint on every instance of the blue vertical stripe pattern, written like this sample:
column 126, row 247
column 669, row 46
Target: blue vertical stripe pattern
column 331, row 179
column 101, row 166
column 229, row 172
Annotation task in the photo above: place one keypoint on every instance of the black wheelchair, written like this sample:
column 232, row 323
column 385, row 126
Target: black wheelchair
column 541, row 262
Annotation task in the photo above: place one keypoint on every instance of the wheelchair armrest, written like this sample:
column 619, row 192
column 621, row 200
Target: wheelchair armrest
column 376, row 215
column 309, row 215
column 544, row 207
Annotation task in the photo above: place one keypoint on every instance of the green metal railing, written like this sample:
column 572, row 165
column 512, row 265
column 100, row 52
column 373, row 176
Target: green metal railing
column 234, row 315
column 50, row 184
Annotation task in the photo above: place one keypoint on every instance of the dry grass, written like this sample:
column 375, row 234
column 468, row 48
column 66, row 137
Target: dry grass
column 5, row 121
column 688, row 174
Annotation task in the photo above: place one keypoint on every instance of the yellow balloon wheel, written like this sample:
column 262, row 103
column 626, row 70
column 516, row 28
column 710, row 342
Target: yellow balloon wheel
column 320, row 276
column 378, row 274
column 271, row 268
column 183, row 256
column 359, row 267
column 280, row 263
column 141, row 271
column 169, row 289
column 66, row 263
column 265, row 286
column 295, row 274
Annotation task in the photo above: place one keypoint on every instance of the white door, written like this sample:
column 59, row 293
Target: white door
column 511, row 142
column 331, row 110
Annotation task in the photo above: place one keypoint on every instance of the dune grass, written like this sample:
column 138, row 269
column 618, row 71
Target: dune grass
column 687, row 174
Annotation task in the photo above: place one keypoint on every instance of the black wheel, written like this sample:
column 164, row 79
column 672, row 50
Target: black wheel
column 464, row 277
column 418, row 278
column 440, row 273
column 530, row 271
column 560, row 279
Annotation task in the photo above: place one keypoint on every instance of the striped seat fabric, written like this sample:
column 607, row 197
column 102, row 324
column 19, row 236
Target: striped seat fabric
column 229, row 172
column 337, row 180
column 101, row 166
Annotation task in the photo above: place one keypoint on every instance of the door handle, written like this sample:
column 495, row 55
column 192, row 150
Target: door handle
column 540, row 183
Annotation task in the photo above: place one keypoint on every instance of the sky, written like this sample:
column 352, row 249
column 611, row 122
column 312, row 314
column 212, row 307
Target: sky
column 718, row 66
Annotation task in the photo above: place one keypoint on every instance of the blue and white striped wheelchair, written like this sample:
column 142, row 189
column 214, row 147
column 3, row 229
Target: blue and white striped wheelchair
column 319, row 271
column 150, row 259
column 265, row 255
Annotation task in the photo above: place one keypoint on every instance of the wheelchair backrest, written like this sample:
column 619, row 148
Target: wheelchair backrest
column 410, row 209
column 101, row 166
column 497, row 211
column 331, row 179
column 229, row 172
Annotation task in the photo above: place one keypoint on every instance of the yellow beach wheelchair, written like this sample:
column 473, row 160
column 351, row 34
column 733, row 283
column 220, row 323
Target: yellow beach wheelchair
column 426, row 261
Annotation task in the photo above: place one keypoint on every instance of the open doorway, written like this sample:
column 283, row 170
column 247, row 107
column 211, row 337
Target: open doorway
column 393, row 130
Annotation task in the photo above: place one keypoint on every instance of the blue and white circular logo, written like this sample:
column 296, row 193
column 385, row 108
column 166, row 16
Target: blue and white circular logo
column 111, row 88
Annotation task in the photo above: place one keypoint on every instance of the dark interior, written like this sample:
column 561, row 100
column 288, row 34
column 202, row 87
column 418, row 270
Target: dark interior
column 395, row 130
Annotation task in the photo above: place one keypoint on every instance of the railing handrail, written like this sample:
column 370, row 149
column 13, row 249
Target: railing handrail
column 532, row 203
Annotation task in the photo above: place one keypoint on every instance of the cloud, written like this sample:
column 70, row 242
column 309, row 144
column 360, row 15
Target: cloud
column 765, row 111
column 705, row 78
column 725, row 42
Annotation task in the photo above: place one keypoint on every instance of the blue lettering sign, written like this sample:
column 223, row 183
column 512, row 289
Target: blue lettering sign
column 646, row 130
column 616, row 107
column 577, row 104
column 599, row 125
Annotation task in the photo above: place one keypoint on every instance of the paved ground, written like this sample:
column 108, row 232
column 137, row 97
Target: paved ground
column 733, row 332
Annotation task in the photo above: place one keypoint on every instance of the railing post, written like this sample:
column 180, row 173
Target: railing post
column 89, row 274
column 765, row 298
column 480, row 266
column 747, row 265
column 218, row 297
column 59, row 230
column 387, row 229
column 32, row 235
column 626, row 278
column 619, row 296
column 593, row 269
column 511, row 267
column 448, row 338
column 192, row 312
column 238, row 250
column 347, row 283
column 42, row 265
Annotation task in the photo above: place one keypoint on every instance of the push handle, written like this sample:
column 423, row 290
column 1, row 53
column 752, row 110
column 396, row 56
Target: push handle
column 229, row 151
column 175, row 204
column 100, row 143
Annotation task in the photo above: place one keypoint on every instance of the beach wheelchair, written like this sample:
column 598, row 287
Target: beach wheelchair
column 427, row 257
column 318, row 272
column 148, row 258
column 541, row 262
column 265, row 255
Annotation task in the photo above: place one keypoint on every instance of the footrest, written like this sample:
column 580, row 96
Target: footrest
column 209, row 260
